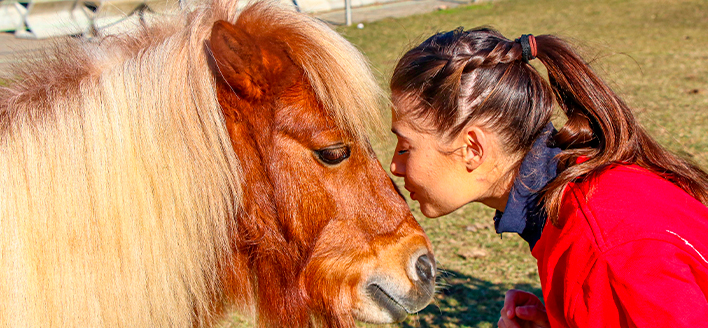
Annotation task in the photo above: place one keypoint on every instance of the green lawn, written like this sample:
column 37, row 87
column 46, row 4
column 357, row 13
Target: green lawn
column 652, row 52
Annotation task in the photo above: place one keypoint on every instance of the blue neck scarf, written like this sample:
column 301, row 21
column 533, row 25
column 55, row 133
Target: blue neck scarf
column 523, row 213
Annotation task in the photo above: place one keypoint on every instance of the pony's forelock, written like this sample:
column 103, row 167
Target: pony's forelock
column 338, row 72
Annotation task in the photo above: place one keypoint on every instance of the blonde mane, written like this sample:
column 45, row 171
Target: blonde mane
column 120, row 184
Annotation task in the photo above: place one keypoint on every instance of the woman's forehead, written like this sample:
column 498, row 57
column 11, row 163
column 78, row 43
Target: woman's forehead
column 414, row 132
column 399, row 127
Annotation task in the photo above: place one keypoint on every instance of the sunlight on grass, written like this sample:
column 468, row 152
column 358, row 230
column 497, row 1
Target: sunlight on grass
column 651, row 52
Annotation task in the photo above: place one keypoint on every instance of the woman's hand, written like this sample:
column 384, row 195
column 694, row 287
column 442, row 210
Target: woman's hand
column 523, row 310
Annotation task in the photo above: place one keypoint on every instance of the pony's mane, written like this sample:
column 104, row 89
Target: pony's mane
column 119, row 176
column 119, row 183
column 334, row 66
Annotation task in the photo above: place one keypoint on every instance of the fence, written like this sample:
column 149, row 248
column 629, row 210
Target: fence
column 38, row 19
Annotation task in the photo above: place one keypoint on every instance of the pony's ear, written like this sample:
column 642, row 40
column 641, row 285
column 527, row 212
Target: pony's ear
column 238, row 60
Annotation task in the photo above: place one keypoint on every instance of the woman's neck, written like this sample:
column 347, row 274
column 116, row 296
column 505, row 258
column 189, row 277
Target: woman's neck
column 501, row 178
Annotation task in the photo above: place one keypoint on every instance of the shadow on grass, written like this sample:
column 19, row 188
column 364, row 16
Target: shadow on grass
column 465, row 301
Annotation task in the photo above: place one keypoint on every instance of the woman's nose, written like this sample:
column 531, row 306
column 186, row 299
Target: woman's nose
column 398, row 168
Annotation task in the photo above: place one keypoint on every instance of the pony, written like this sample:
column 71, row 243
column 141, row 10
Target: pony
column 218, row 160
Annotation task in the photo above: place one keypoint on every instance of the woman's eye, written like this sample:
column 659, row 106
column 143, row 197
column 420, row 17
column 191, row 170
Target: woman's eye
column 401, row 152
column 332, row 156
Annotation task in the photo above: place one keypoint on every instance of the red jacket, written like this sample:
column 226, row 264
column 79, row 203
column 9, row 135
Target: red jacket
column 632, row 251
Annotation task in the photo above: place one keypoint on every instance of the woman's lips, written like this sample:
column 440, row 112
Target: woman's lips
column 410, row 192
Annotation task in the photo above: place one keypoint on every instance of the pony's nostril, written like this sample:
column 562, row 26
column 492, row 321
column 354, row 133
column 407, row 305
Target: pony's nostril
column 424, row 268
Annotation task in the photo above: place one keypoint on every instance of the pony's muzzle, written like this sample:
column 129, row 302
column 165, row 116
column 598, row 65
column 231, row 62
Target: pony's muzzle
column 397, row 296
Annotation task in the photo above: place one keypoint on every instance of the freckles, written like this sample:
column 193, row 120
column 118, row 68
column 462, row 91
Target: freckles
column 427, row 173
column 434, row 175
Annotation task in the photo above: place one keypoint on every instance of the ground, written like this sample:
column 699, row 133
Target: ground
column 651, row 52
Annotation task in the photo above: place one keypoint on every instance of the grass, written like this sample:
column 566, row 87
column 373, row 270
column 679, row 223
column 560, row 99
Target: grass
column 652, row 53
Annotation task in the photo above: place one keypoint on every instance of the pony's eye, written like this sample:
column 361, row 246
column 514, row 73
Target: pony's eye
column 333, row 155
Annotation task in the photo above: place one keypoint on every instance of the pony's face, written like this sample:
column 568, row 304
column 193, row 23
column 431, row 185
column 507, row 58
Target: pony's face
column 322, row 226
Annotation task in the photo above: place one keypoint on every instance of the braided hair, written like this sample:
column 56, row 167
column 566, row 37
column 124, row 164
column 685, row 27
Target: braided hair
column 478, row 77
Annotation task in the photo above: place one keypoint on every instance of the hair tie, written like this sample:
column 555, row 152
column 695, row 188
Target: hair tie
column 528, row 47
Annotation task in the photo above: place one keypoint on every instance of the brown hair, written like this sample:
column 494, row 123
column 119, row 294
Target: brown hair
column 478, row 76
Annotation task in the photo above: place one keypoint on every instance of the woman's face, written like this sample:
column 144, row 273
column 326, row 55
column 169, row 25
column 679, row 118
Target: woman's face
column 431, row 177
column 443, row 177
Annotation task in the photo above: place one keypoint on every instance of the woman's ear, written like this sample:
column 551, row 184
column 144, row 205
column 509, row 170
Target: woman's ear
column 476, row 143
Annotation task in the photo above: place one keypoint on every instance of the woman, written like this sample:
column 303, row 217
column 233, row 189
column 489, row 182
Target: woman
column 618, row 225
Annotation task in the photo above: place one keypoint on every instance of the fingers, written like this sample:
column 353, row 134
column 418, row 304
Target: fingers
column 506, row 322
column 501, row 323
column 521, row 306
column 508, row 312
column 533, row 313
column 519, row 297
column 512, row 299
column 509, row 303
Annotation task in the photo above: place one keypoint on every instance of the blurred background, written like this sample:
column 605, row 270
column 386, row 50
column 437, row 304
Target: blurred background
column 27, row 26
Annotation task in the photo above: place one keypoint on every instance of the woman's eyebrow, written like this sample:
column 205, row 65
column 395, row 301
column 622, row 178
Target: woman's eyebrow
column 398, row 133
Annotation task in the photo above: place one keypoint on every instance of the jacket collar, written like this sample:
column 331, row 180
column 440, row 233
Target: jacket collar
column 523, row 214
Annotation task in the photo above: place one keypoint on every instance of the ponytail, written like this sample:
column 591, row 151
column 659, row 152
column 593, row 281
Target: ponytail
column 458, row 78
column 602, row 128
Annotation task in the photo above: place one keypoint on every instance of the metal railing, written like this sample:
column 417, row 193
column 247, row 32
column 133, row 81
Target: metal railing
column 39, row 19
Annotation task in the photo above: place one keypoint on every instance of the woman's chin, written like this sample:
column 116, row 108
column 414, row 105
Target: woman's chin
column 430, row 211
